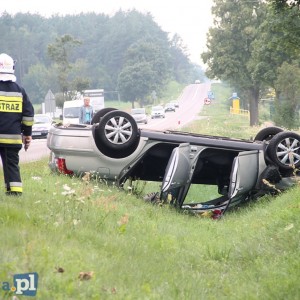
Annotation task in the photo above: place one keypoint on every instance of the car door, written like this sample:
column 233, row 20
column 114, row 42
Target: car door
column 179, row 171
column 244, row 174
column 180, row 168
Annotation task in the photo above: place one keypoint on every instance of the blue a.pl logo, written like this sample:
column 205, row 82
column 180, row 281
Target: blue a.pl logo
column 26, row 284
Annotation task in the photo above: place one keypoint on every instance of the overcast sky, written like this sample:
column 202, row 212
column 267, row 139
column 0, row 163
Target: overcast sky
column 189, row 18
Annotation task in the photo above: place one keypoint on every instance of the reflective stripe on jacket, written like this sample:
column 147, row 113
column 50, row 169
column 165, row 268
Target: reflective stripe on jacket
column 16, row 114
column 10, row 138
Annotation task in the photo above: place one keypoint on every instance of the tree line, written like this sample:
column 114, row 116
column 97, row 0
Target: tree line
column 127, row 53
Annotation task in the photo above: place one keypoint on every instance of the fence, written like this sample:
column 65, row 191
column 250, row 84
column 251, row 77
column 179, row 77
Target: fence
column 242, row 112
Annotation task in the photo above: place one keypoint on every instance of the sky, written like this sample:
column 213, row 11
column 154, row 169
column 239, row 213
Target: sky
column 190, row 19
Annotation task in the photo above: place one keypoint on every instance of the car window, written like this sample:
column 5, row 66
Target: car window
column 71, row 112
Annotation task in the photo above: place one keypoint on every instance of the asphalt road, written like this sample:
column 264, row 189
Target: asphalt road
column 37, row 150
column 191, row 102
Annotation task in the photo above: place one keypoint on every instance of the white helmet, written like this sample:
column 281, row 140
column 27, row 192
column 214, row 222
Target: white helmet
column 7, row 64
column 7, row 68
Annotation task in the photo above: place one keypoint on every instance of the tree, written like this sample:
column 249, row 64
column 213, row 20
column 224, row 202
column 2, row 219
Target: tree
column 78, row 78
column 268, row 53
column 283, row 4
column 104, row 44
column 288, row 89
column 59, row 52
column 146, row 69
column 39, row 79
column 182, row 70
column 135, row 82
column 124, row 30
column 276, row 46
column 153, row 52
column 286, row 21
column 230, row 47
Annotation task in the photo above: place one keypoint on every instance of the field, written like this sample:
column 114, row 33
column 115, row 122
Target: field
column 87, row 239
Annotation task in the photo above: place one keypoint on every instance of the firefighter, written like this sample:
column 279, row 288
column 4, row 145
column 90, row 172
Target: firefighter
column 16, row 120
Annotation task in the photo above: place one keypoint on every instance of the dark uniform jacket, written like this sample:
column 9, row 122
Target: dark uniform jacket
column 16, row 114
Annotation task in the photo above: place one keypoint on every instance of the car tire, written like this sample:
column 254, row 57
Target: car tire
column 117, row 134
column 266, row 134
column 284, row 150
column 101, row 113
column 268, row 179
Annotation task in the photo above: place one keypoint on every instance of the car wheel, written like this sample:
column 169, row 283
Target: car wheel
column 268, row 179
column 101, row 113
column 284, row 150
column 266, row 134
column 117, row 134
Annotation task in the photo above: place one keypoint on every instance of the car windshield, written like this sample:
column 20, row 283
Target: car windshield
column 71, row 112
column 41, row 119
column 138, row 111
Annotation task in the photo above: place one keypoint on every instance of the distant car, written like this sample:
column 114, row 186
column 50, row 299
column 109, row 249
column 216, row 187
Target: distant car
column 116, row 149
column 139, row 114
column 170, row 107
column 176, row 103
column 197, row 81
column 41, row 126
column 157, row 112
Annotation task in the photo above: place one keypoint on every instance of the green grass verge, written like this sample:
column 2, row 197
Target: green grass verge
column 137, row 250
column 215, row 118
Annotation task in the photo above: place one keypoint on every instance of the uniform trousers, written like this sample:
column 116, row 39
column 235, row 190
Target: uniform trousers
column 11, row 170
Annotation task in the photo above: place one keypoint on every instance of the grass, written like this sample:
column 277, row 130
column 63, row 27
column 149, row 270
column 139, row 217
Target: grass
column 216, row 120
column 63, row 226
column 141, row 251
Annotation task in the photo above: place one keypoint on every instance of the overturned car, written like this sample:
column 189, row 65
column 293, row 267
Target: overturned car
column 114, row 148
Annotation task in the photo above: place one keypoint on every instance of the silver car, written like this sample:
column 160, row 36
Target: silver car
column 41, row 126
column 139, row 115
column 114, row 148
column 157, row 112
column 170, row 107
